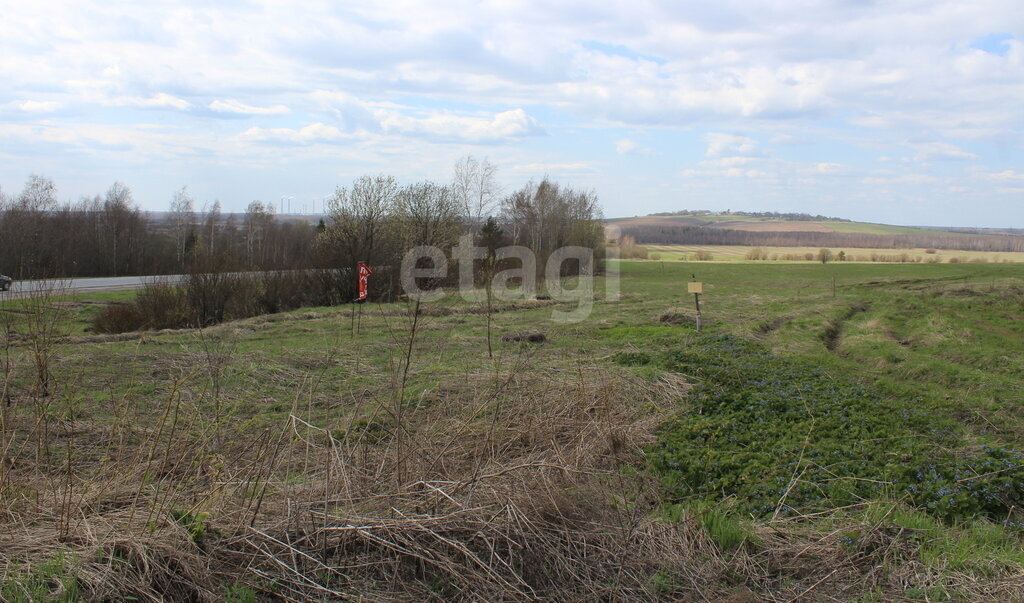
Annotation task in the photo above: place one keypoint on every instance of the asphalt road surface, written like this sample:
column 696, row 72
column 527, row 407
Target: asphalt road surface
column 83, row 285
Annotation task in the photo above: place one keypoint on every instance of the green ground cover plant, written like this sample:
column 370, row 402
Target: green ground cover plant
column 784, row 437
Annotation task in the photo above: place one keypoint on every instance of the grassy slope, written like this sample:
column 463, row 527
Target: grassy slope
column 871, row 228
column 837, row 226
column 944, row 338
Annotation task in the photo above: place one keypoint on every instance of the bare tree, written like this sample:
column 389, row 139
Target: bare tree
column 360, row 216
column 258, row 218
column 182, row 217
column 545, row 216
column 39, row 194
column 212, row 227
column 428, row 215
column 361, row 228
column 476, row 188
column 121, row 225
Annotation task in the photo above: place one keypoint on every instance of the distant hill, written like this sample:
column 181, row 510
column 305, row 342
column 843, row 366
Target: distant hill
column 785, row 230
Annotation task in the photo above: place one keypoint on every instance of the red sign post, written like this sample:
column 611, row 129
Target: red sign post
column 364, row 273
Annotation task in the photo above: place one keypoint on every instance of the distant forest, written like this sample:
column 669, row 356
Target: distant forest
column 698, row 235
column 773, row 215
column 376, row 220
column 108, row 235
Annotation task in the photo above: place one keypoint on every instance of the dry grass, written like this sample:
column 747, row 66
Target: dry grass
column 524, row 482
column 503, row 485
column 515, row 492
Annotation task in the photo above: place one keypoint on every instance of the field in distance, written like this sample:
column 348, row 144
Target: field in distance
column 736, row 221
column 739, row 253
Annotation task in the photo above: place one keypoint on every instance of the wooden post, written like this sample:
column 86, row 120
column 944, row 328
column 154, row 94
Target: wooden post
column 696, row 288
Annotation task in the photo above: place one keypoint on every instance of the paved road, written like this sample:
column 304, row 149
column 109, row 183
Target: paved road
column 84, row 285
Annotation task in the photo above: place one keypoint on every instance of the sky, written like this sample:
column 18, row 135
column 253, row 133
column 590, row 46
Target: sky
column 902, row 112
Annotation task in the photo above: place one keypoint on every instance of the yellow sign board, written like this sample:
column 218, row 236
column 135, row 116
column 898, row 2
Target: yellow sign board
column 697, row 287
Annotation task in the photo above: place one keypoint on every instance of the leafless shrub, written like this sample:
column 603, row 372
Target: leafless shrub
column 118, row 318
column 284, row 290
column 757, row 253
column 164, row 306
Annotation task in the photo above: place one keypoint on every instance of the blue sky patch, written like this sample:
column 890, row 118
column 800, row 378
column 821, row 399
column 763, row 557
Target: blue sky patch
column 994, row 43
column 618, row 50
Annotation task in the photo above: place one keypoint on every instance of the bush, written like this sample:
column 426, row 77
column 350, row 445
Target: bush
column 703, row 256
column 118, row 318
column 931, row 251
column 164, row 306
column 209, row 298
column 655, row 256
column 284, row 290
column 208, row 294
column 757, row 253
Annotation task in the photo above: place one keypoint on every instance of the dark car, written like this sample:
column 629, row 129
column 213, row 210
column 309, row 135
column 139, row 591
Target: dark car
column 5, row 282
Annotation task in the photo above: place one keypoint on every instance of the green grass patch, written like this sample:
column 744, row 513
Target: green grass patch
column 786, row 437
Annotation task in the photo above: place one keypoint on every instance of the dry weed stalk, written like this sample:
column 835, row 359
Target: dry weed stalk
column 512, row 493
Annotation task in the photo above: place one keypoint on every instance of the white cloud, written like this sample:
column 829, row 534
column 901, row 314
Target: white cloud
column 435, row 127
column 941, row 151
column 728, row 162
column 311, row 134
column 625, row 146
column 1006, row 176
column 156, row 101
column 554, row 169
column 350, row 112
column 730, row 145
column 32, row 106
column 446, row 127
column 239, row 108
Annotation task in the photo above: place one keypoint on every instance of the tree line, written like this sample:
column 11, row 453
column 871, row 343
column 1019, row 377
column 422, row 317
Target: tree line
column 109, row 235
column 375, row 219
column 774, row 215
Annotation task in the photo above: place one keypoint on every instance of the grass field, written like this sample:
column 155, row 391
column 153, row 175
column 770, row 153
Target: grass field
column 741, row 222
column 734, row 253
column 846, row 430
